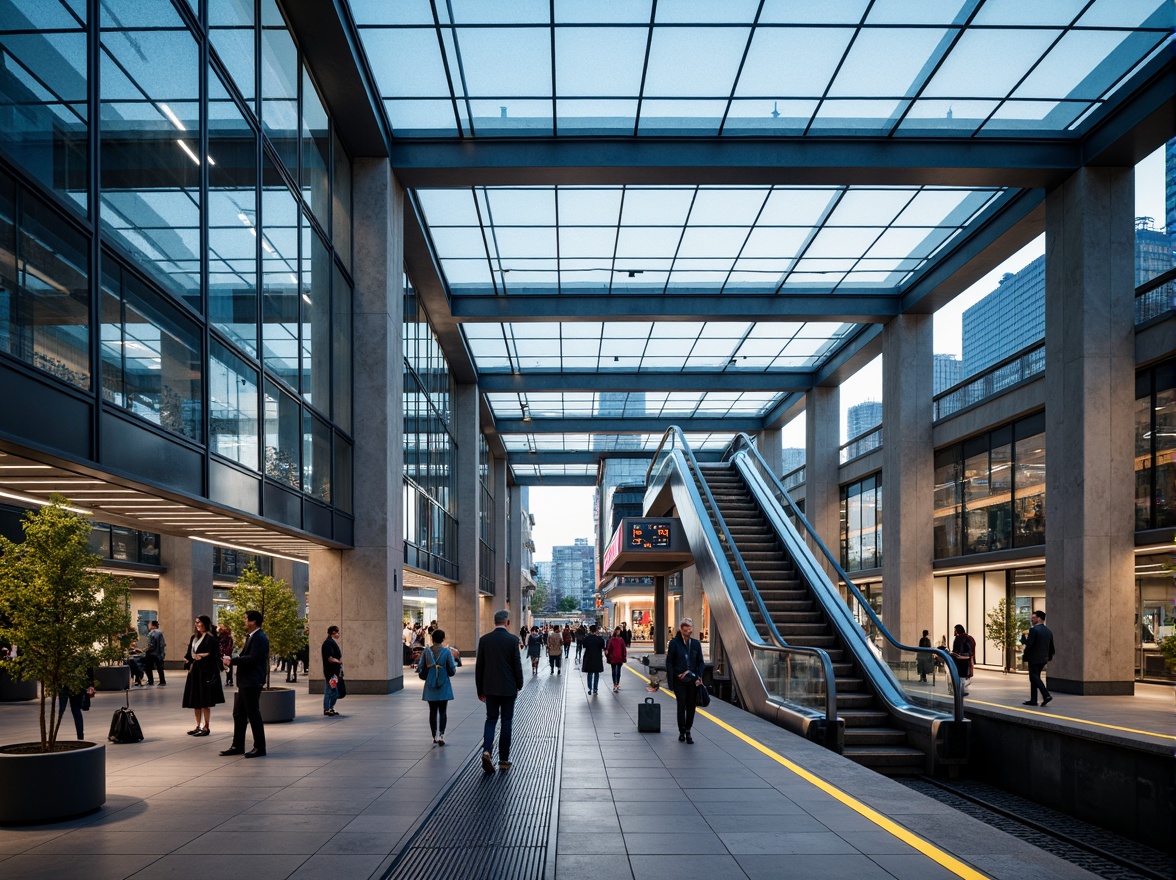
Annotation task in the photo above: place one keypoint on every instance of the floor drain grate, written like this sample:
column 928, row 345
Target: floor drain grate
column 496, row 825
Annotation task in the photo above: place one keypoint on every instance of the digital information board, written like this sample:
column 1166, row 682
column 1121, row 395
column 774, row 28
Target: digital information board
column 647, row 545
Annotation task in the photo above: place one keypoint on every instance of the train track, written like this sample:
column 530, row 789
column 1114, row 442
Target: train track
column 1097, row 850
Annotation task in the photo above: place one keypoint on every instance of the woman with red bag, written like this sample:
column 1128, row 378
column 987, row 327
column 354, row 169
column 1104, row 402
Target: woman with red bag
column 617, row 654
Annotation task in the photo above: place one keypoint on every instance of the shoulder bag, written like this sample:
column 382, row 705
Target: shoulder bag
column 423, row 668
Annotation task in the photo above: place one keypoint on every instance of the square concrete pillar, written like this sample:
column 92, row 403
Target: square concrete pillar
column 908, row 476
column 460, row 606
column 359, row 590
column 514, row 567
column 1089, row 423
column 502, row 553
column 770, row 446
column 297, row 578
column 185, row 592
column 822, row 494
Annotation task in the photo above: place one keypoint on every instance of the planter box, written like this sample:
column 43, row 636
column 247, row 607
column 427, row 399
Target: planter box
column 52, row 785
column 13, row 691
column 277, row 705
column 113, row 678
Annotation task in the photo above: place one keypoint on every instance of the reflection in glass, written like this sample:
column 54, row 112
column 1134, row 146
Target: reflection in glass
column 316, row 152
column 150, row 123
column 279, row 85
column 316, row 457
column 1029, row 481
column 44, row 288
column 43, row 81
column 341, row 485
column 232, row 220
column 316, row 320
column 234, row 426
column 283, row 436
column 341, row 351
column 151, row 362
column 279, row 281
column 231, row 31
column 341, row 200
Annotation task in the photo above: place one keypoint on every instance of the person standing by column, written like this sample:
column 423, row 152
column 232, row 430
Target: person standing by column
column 252, row 668
column 684, row 670
column 498, row 677
column 332, row 668
column 1039, row 650
column 592, row 661
column 155, row 653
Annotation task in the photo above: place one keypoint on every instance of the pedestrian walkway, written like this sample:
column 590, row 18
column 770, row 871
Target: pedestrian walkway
column 368, row 795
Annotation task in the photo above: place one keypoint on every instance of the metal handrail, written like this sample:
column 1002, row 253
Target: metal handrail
column 696, row 473
column 742, row 442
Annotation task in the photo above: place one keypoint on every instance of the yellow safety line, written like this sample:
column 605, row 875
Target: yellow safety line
column 1040, row 714
column 951, row 863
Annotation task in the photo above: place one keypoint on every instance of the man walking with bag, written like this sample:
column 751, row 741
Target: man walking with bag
column 498, row 676
column 684, row 671
column 1039, row 650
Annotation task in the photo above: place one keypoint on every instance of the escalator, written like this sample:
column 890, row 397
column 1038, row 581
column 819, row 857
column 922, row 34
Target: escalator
column 788, row 638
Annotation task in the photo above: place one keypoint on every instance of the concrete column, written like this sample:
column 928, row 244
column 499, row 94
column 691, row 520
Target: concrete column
column 459, row 606
column 297, row 578
column 1089, row 419
column 692, row 595
column 908, row 476
column 822, row 495
column 514, row 574
column 769, row 443
column 360, row 589
column 185, row 592
column 502, row 553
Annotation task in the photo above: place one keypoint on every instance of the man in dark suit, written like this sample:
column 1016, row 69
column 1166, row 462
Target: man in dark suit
column 684, row 673
column 1039, row 650
column 252, row 667
column 498, row 675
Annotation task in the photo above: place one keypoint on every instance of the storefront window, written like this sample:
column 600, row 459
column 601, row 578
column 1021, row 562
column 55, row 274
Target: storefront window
column 151, row 358
column 861, row 524
column 44, row 288
column 43, row 93
column 1029, row 479
column 947, row 505
column 1155, row 447
column 1155, row 614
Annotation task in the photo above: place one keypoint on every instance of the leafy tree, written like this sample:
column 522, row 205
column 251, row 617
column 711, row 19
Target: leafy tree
column 63, row 616
column 255, row 591
column 539, row 597
column 568, row 603
column 1003, row 626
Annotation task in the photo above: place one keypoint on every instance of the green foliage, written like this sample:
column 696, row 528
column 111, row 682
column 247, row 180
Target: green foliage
column 1003, row 627
column 568, row 603
column 1168, row 648
column 539, row 598
column 63, row 616
column 261, row 592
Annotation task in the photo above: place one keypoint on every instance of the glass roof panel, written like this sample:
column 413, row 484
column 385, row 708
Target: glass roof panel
column 599, row 62
column 1043, row 13
column 812, row 54
column 484, row 50
column 661, row 206
column 386, row 50
column 589, row 207
column 694, row 62
column 1128, row 14
column 582, row 11
column 915, row 12
column 714, row 206
column 593, row 116
column 888, row 62
column 1018, row 51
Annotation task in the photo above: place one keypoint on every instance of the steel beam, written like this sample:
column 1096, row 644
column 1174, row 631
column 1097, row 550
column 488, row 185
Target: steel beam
column 528, row 480
column 615, row 425
column 809, row 305
column 593, row 456
column 692, row 380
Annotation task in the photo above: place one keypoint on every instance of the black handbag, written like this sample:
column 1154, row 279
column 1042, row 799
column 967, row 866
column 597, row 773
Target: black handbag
column 341, row 688
column 702, row 698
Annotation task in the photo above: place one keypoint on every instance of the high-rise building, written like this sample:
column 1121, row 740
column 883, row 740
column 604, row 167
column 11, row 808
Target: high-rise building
column 573, row 572
column 1009, row 319
column 1170, row 191
column 1153, row 250
column 862, row 417
column 792, row 457
column 948, row 371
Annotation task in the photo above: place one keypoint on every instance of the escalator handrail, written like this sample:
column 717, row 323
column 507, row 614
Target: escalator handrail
column 696, row 473
column 743, row 443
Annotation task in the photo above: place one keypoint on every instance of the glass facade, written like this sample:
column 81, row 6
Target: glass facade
column 861, row 524
column 1155, row 447
column 990, row 491
column 430, row 452
column 222, row 216
column 968, row 599
column 486, row 571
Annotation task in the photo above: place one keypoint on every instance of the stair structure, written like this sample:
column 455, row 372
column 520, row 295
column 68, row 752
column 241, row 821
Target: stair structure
column 871, row 737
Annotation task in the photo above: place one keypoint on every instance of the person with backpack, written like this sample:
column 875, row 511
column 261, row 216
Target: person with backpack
column 436, row 667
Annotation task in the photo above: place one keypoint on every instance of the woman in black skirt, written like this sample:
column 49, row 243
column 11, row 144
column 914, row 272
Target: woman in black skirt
column 203, row 688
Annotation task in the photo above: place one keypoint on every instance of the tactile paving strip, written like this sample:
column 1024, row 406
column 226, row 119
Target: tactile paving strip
column 496, row 825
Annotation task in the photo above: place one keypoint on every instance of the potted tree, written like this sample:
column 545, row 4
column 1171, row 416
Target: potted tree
column 264, row 593
column 1003, row 627
column 57, row 609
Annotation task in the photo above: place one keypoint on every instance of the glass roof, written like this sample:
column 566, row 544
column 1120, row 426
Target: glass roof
column 669, row 405
column 597, row 346
column 516, row 443
column 653, row 239
column 688, row 67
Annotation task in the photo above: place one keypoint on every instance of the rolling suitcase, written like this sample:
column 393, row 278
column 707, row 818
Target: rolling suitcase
column 649, row 716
